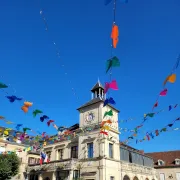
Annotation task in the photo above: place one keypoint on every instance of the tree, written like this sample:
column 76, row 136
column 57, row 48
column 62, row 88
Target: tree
column 9, row 166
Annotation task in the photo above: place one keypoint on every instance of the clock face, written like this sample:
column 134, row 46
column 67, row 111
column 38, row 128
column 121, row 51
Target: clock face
column 89, row 117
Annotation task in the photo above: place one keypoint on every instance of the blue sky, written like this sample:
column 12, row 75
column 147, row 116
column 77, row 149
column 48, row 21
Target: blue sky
column 148, row 46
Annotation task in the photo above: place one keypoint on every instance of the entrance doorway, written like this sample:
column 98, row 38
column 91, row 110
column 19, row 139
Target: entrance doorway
column 62, row 175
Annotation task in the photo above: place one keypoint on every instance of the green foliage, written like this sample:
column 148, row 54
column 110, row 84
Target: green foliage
column 9, row 166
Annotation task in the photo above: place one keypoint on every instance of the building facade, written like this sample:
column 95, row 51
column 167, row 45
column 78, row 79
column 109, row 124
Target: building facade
column 24, row 156
column 91, row 155
column 167, row 164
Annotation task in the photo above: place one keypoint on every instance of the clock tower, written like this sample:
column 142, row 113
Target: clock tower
column 91, row 115
column 92, row 112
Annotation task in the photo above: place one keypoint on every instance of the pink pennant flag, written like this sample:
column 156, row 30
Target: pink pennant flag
column 112, row 85
column 163, row 93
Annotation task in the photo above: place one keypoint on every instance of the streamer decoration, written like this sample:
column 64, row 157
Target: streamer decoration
column 171, row 78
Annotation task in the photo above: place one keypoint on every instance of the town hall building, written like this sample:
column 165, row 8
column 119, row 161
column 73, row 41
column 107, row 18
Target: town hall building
column 91, row 155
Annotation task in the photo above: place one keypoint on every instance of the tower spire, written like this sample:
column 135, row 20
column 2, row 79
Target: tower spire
column 97, row 90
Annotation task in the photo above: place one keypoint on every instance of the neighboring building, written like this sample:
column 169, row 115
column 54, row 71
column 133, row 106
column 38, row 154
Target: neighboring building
column 91, row 155
column 167, row 164
column 24, row 156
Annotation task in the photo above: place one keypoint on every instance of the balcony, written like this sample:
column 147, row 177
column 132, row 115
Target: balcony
column 135, row 168
column 65, row 164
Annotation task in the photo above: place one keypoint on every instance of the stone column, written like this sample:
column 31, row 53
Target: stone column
column 70, row 175
column 40, row 177
column 54, row 176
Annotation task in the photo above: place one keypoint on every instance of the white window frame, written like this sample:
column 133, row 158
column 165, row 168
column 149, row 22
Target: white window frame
column 177, row 161
column 58, row 151
column 160, row 161
column 160, row 176
column 178, row 173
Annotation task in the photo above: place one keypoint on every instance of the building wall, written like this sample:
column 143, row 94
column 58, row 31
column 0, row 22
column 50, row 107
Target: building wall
column 21, row 155
column 140, row 172
column 101, row 166
column 169, row 173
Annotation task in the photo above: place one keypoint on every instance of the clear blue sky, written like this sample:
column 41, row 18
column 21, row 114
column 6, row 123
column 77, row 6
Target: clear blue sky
column 148, row 46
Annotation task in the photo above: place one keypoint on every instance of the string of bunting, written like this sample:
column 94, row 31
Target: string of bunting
column 25, row 108
column 110, row 64
column 169, row 108
column 152, row 134
column 171, row 78
column 151, row 115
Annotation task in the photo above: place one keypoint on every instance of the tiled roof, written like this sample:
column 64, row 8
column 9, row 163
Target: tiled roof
column 127, row 146
column 94, row 101
column 168, row 157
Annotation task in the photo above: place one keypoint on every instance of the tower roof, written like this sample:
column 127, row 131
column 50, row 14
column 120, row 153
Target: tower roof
column 96, row 86
column 94, row 101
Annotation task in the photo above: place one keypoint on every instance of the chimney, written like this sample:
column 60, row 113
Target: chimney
column 141, row 152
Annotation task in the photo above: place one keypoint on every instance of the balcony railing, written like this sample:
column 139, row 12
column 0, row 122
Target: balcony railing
column 137, row 168
column 65, row 164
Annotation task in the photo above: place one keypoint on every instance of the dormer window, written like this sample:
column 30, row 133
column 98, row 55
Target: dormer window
column 177, row 161
column 160, row 162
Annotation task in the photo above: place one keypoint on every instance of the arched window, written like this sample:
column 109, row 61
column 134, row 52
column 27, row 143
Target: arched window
column 135, row 178
column 126, row 177
column 146, row 179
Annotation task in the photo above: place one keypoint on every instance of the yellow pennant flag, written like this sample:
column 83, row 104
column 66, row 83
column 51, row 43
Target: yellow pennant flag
column 171, row 78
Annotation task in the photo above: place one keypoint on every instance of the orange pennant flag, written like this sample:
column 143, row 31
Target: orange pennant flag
column 109, row 121
column 171, row 78
column 114, row 35
column 26, row 106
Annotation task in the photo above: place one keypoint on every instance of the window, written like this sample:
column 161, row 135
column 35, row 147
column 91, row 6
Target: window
column 74, row 152
column 60, row 154
column 90, row 150
column 37, row 160
column 178, row 176
column 48, row 153
column 61, row 175
column 177, row 161
column 162, row 176
column 31, row 160
column 160, row 162
column 130, row 157
column 110, row 150
column 76, row 174
column 111, row 177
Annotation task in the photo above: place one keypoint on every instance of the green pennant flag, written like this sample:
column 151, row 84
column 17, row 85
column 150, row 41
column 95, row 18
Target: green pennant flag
column 135, row 130
column 150, row 114
column 37, row 111
column 108, row 113
column 25, row 129
column 3, row 85
column 163, row 129
column 113, row 62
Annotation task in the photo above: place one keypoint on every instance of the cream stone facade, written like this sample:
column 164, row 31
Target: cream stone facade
column 167, row 164
column 172, row 173
column 6, row 146
column 91, row 155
